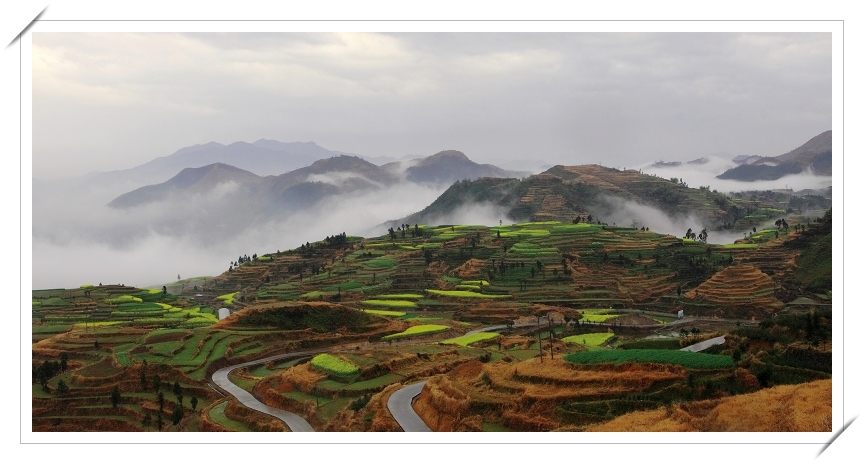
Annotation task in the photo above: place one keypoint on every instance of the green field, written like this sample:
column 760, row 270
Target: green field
column 390, row 303
column 465, row 294
column 333, row 365
column 592, row 339
column 684, row 358
column 380, row 312
column 466, row 340
column 423, row 329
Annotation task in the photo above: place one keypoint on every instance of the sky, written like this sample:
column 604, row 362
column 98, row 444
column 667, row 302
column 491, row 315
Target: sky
column 115, row 100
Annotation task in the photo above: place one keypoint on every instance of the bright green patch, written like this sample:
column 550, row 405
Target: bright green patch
column 464, row 294
column 400, row 296
column 380, row 312
column 265, row 258
column 86, row 286
column 466, row 340
column 470, row 288
column 124, row 299
column 476, row 282
column 592, row 339
column 390, row 303
column 684, row 358
column 424, row 329
column 739, row 246
column 228, row 298
column 333, row 365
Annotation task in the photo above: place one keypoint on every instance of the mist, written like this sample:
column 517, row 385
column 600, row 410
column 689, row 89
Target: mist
column 696, row 175
column 77, row 242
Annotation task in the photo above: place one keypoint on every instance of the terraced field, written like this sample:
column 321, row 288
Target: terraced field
column 397, row 311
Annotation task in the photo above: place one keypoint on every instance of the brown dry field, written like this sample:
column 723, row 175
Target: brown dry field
column 784, row 408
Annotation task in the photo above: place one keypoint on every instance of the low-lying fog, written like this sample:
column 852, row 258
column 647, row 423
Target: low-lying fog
column 78, row 240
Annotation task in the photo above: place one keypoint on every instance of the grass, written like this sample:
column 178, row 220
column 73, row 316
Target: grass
column 228, row 298
column 739, row 246
column 390, row 303
column 466, row 340
column 380, row 312
column 416, row 330
column 332, row 365
column 591, row 339
column 217, row 414
column 684, row 358
column 465, row 294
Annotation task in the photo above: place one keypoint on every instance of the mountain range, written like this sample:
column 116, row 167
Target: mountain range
column 813, row 156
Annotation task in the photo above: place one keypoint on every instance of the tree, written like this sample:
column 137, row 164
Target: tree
column 64, row 359
column 161, row 400
column 96, row 344
column 115, row 396
column 159, row 421
column 143, row 377
column 62, row 388
column 176, row 388
column 147, row 420
column 157, row 382
column 194, row 402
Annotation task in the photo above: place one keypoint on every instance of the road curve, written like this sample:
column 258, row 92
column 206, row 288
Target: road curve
column 293, row 421
column 701, row 346
column 400, row 406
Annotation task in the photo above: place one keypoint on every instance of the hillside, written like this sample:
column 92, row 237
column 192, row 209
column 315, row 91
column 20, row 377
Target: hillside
column 564, row 192
column 396, row 309
column 814, row 156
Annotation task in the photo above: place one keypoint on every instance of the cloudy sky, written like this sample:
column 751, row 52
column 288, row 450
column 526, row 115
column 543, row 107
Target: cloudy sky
column 105, row 101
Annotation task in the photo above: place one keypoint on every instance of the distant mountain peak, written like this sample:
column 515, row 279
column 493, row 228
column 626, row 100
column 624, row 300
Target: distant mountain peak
column 446, row 155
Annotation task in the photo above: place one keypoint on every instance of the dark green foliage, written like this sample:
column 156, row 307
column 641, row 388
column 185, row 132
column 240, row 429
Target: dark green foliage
column 62, row 388
column 147, row 420
column 359, row 403
column 814, row 266
column 318, row 318
column 684, row 358
column 115, row 396
column 194, row 402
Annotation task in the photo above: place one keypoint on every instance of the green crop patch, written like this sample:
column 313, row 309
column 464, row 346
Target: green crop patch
column 390, row 303
column 424, row 329
column 265, row 259
column 332, row 365
column 124, row 299
column 739, row 246
column 476, row 282
column 228, row 298
column 465, row 294
column 683, row 358
column 400, row 296
column 466, row 340
column 470, row 288
column 591, row 339
column 381, row 312
column 380, row 263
